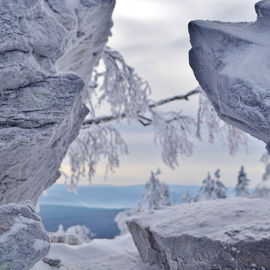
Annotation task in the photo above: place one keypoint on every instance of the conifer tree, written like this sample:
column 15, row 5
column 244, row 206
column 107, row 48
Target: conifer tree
column 220, row 189
column 212, row 188
column 207, row 190
column 241, row 189
column 157, row 194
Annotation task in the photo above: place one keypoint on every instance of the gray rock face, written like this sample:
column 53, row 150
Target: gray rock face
column 231, row 63
column 47, row 51
column 41, row 110
column 212, row 235
column 86, row 38
column 23, row 239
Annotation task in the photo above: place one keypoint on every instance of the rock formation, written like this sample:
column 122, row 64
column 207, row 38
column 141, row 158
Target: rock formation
column 23, row 240
column 231, row 63
column 217, row 235
column 47, row 52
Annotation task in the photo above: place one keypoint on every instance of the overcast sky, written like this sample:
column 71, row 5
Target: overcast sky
column 152, row 35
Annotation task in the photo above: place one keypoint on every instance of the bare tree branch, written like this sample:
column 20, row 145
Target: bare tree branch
column 101, row 119
column 109, row 118
column 174, row 98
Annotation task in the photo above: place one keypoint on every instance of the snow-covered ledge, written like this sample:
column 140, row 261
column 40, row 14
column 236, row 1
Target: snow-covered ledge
column 47, row 51
column 231, row 63
column 211, row 235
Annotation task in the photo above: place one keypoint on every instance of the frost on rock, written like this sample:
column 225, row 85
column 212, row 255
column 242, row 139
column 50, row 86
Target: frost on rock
column 42, row 78
column 220, row 234
column 88, row 23
column 41, row 109
column 231, row 63
column 23, row 239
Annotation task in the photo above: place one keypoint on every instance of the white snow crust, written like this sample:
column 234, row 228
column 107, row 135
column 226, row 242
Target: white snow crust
column 229, row 220
column 100, row 254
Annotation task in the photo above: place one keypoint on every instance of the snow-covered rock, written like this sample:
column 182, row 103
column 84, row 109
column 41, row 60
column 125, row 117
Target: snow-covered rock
column 218, row 234
column 47, row 51
column 23, row 239
column 88, row 23
column 231, row 63
column 41, row 109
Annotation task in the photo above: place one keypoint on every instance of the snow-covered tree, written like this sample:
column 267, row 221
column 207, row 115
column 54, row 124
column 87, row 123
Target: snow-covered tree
column 241, row 189
column 152, row 198
column 217, row 175
column 212, row 188
column 116, row 85
column 155, row 197
column 74, row 235
column 165, row 195
column 83, row 232
column 220, row 189
column 261, row 191
column 266, row 160
column 207, row 190
column 60, row 230
column 188, row 197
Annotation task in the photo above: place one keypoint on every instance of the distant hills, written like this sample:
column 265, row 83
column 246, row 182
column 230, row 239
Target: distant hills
column 105, row 196
column 100, row 221
column 95, row 206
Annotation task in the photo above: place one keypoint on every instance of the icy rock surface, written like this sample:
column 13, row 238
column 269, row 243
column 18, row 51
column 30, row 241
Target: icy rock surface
column 231, row 63
column 41, row 109
column 216, row 234
column 23, row 239
column 47, row 52
column 88, row 23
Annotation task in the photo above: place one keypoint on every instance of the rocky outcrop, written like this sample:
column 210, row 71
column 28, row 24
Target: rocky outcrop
column 88, row 23
column 23, row 240
column 47, row 51
column 231, row 63
column 216, row 234
column 41, row 110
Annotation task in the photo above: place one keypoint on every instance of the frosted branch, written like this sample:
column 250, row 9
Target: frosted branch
column 126, row 95
column 109, row 118
column 218, row 129
column 88, row 149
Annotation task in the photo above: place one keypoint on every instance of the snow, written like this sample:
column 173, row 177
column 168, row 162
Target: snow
column 74, row 4
column 100, row 254
column 40, row 245
column 230, row 231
